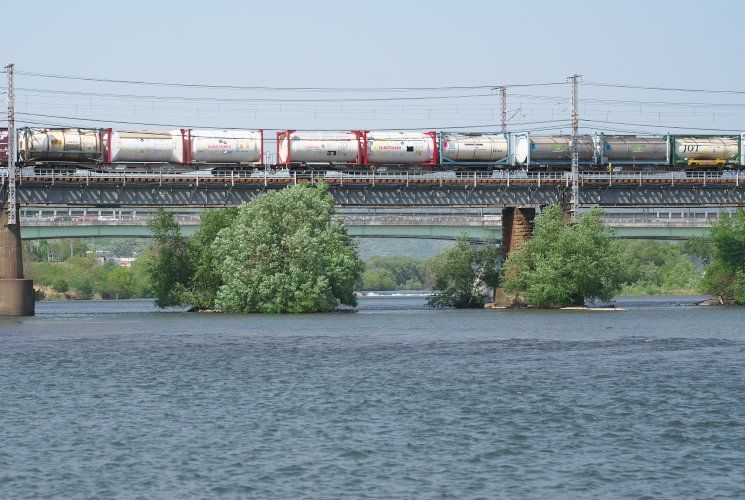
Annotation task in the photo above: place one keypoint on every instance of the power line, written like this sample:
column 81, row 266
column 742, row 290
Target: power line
column 273, row 88
column 730, row 131
column 245, row 100
column 665, row 89
column 99, row 120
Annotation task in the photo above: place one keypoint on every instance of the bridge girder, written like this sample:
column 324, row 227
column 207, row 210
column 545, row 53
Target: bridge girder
column 390, row 195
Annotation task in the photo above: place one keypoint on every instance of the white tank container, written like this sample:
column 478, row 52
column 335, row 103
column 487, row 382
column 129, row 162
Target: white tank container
column 474, row 147
column 706, row 148
column 225, row 146
column 144, row 146
column 61, row 144
column 319, row 147
column 552, row 149
column 400, row 147
column 631, row 148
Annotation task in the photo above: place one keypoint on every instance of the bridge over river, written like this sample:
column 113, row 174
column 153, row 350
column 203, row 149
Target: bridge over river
column 517, row 193
column 443, row 224
column 444, row 189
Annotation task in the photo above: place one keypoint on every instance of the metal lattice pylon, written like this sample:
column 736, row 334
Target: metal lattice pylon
column 12, row 199
column 575, row 149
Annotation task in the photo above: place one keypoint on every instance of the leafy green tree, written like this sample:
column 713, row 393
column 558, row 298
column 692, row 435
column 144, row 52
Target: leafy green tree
column 378, row 279
column 170, row 269
column 562, row 265
column 394, row 273
column 285, row 253
column 658, row 267
column 206, row 280
column 462, row 273
column 725, row 276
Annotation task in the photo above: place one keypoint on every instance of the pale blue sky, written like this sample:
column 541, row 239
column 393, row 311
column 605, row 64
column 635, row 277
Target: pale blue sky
column 373, row 45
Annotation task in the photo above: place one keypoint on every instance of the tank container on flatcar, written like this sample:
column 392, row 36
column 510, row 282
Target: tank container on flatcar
column 412, row 148
column 552, row 149
column 59, row 144
column 318, row 147
column 487, row 148
column 706, row 150
column 632, row 149
column 223, row 146
column 143, row 146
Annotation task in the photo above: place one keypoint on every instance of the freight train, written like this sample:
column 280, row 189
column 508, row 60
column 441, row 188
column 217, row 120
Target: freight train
column 108, row 149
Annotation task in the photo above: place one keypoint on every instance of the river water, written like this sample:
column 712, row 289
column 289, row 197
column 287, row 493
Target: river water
column 118, row 400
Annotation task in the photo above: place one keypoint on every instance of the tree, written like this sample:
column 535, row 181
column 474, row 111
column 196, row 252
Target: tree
column 284, row 252
column 462, row 273
column 169, row 269
column 658, row 267
column 725, row 245
column 206, row 280
column 394, row 273
column 563, row 265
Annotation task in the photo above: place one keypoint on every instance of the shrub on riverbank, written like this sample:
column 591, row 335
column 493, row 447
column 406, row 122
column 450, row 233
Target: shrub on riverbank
column 85, row 278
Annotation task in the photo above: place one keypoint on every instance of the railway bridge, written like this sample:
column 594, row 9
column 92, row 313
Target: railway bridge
column 517, row 193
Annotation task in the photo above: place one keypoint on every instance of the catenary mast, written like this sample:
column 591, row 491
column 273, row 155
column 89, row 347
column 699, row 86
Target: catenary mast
column 12, row 199
column 575, row 150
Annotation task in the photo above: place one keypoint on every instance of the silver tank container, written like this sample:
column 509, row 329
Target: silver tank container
column 319, row 147
column 633, row 149
column 552, row 149
column 59, row 144
column 474, row 147
column 706, row 149
column 225, row 146
column 400, row 147
column 143, row 146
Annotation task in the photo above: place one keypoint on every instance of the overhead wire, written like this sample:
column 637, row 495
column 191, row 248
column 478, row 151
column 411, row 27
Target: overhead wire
column 278, row 88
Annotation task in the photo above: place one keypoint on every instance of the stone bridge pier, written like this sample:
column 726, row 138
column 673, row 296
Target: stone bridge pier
column 16, row 293
column 517, row 226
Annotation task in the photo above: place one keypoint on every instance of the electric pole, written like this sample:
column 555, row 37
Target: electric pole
column 503, row 99
column 12, row 200
column 575, row 150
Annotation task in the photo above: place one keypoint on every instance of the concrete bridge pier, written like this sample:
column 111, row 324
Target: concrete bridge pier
column 517, row 226
column 16, row 293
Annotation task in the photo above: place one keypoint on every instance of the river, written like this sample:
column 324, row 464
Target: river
column 119, row 400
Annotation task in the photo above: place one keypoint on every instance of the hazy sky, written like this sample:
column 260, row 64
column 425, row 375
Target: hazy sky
column 354, row 54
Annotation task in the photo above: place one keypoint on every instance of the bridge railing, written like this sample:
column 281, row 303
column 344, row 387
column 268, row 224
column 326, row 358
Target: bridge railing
column 333, row 176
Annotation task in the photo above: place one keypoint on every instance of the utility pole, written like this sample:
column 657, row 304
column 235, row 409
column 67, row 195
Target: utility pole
column 12, row 200
column 503, row 99
column 575, row 149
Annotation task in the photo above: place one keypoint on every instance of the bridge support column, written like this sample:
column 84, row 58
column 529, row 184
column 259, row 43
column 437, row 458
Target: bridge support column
column 517, row 226
column 16, row 293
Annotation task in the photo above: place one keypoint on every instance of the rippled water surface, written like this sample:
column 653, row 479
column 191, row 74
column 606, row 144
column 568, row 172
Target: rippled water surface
column 117, row 400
